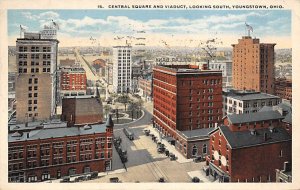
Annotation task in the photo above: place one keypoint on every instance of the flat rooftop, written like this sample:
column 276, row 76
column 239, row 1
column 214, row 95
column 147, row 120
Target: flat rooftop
column 184, row 69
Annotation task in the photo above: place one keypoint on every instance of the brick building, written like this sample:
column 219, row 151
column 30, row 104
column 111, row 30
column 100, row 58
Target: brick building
column 36, row 81
column 253, row 65
column 283, row 88
column 73, row 81
column 186, row 99
column 82, row 110
column 249, row 147
column 56, row 151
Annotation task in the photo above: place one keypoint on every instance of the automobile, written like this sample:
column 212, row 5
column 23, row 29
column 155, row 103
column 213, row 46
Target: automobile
column 124, row 152
column 94, row 175
column 172, row 156
column 160, row 150
column 147, row 132
column 167, row 152
column 124, row 158
column 80, row 178
column 195, row 180
column 161, row 180
column 114, row 180
column 65, row 179
column 197, row 159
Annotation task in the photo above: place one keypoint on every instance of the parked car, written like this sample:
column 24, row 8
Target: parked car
column 172, row 156
column 167, row 152
column 147, row 132
column 161, row 149
column 114, row 180
column 94, row 175
column 65, row 179
column 161, row 180
column 195, row 180
column 197, row 159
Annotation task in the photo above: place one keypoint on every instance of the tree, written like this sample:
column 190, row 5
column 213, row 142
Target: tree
column 107, row 109
column 124, row 99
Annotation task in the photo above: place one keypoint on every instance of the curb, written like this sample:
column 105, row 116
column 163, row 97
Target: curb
column 143, row 113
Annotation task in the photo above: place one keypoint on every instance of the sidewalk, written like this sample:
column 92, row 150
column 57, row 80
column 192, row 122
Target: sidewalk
column 171, row 148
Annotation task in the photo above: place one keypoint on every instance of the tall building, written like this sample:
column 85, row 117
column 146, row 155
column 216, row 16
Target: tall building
column 36, row 81
column 122, row 69
column 253, row 65
column 186, row 100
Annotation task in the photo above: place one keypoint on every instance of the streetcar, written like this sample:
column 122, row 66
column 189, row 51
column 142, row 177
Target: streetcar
column 128, row 133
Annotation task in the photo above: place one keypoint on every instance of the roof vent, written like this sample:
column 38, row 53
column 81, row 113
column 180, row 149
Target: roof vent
column 16, row 134
column 87, row 127
column 272, row 129
column 253, row 132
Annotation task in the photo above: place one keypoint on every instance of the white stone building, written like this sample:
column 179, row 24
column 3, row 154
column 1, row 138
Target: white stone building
column 244, row 102
column 226, row 68
column 122, row 69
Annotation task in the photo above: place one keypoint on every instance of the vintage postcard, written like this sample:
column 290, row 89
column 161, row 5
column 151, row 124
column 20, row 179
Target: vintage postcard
column 149, row 95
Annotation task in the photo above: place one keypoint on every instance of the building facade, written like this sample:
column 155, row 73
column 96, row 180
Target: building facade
column 245, row 102
column 226, row 68
column 56, row 151
column 241, row 150
column 253, row 65
column 72, row 81
column 145, row 88
column 283, row 88
column 185, row 99
column 36, row 81
column 122, row 69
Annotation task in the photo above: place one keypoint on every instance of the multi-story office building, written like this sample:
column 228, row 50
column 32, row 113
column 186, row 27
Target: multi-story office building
column 244, row 102
column 253, row 65
column 36, row 81
column 73, row 82
column 52, row 150
column 226, row 68
column 186, row 99
column 122, row 69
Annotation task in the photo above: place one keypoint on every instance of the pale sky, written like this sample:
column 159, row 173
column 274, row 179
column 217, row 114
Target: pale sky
column 172, row 27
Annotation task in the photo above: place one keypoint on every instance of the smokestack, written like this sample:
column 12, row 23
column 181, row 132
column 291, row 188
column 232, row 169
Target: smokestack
column 265, row 137
column 286, row 167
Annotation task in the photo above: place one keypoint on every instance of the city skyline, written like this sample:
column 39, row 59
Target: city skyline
column 175, row 27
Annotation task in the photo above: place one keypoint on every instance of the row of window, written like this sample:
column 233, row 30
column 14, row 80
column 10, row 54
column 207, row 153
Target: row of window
column 34, row 49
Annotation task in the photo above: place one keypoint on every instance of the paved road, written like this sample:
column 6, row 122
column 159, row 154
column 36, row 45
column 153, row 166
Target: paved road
column 89, row 73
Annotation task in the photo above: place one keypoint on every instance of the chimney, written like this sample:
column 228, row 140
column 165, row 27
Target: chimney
column 265, row 137
column 286, row 167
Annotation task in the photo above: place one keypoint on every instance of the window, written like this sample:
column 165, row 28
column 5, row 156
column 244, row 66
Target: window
column 35, row 81
column 280, row 153
column 204, row 149
column 194, row 150
column 30, row 81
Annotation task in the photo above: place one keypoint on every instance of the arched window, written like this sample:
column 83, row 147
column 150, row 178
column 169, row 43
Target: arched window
column 204, row 149
column 194, row 150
